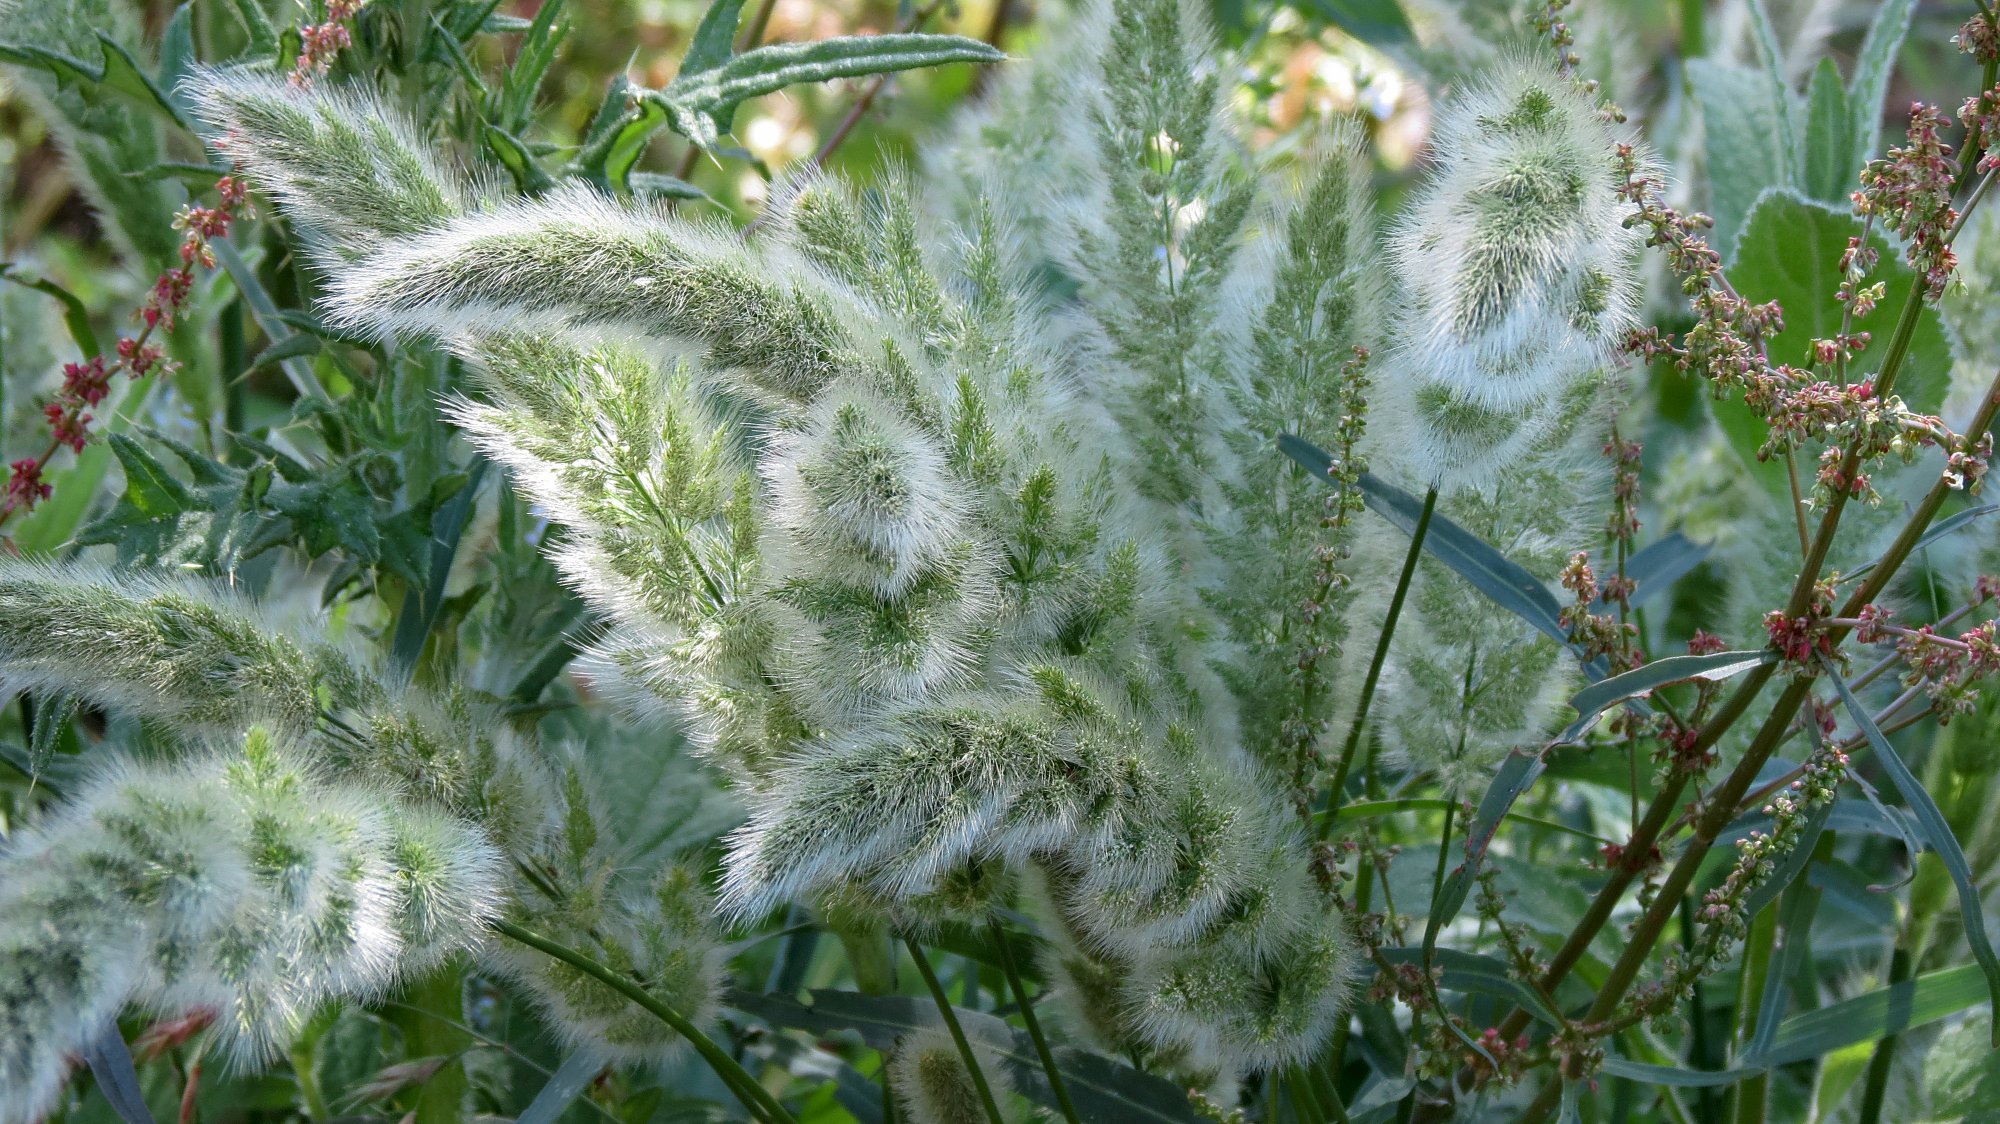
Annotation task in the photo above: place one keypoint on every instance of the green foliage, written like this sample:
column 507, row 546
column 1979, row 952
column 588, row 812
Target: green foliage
column 548, row 648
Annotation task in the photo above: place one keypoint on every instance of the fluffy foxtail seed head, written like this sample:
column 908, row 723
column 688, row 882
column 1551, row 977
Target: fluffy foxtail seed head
column 350, row 171
column 933, row 1086
column 242, row 884
column 860, row 491
column 181, row 653
column 1514, row 265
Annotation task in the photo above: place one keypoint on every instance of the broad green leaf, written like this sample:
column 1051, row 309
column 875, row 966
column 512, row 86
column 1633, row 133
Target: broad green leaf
column 1936, row 832
column 1780, row 91
column 177, row 58
column 1937, row 531
column 1961, row 1073
column 1378, row 23
column 121, row 73
column 1869, row 87
column 1790, row 252
column 1830, row 167
column 1875, row 1015
column 1604, row 694
column 1742, row 126
column 149, row 487
column 117, row 72
column 1102, row 1089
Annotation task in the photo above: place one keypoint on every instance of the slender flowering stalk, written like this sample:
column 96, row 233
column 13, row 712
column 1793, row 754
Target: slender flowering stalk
column 86, row 382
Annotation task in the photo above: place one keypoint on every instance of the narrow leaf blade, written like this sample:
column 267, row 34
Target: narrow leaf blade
column 568, row 1081
column 110, row 1061
column 1515, row 776
column 1937, row 833
column 1602, row 695
column 1875, row 1015
column 769, row 69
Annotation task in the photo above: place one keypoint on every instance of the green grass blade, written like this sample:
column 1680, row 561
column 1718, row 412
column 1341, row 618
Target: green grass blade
column 1936, row 832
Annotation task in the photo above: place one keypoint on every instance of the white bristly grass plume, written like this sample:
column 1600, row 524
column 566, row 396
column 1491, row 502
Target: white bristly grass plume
column 244, row 883
column 1466, row 679
column 850, row 506
column 352, row 170
column 1309, row 287
column 928, row 1076
column 180, row 653
column 199, row 661
column 1514, row 272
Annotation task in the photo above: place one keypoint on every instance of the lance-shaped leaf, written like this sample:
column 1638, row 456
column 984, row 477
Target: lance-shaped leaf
column 1936, row 832
column 1500, row 578
column 1648, row 1074
column 700, row 103
column 1938, row 530
column 110, row 1061
column 1602, row 695
column 1515, row 776
column 1875, row 1015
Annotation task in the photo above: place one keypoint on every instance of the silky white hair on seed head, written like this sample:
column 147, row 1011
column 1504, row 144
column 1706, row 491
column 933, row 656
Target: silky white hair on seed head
column 244, row 884
column 1514, row 263
column 346, row 166
column 932, row 630
column 194, row 657
column 575, row 258
column 861, row 491
column 933, row 1086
